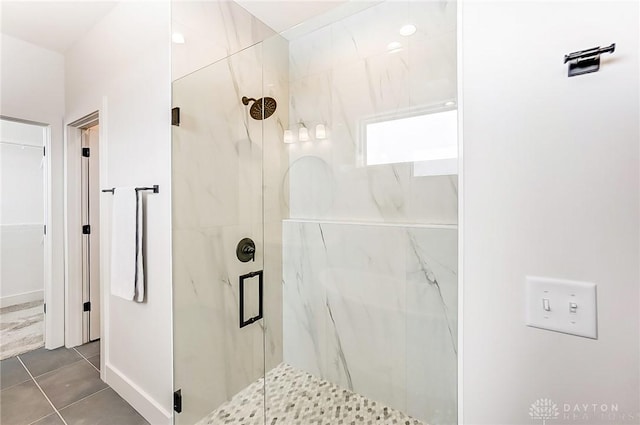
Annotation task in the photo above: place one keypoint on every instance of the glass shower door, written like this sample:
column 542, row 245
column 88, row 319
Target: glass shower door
column 218, row 247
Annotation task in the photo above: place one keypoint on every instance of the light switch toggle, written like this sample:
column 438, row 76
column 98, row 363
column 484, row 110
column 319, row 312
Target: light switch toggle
column 573, row 307
column 574, row 304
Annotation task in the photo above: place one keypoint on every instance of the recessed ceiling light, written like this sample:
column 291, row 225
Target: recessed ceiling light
column 407, row 30
column 177, row 38
column 394, row 46
column 449, row 103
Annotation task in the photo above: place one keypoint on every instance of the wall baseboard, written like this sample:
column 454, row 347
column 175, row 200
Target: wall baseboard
column 26, row 297
column 149, row 408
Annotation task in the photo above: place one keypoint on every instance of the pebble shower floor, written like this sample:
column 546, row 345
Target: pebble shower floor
column 298, row 398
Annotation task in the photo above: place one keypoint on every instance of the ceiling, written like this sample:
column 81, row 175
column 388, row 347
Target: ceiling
column 57, row 25
column 54, row 25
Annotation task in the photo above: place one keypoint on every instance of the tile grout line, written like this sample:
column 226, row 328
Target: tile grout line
column 81, row 355
column 19, row 383
column 61, row 367
column 42, row 391
column 84, row 398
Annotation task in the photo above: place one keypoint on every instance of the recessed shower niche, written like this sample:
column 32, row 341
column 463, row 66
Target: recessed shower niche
column 347, row 308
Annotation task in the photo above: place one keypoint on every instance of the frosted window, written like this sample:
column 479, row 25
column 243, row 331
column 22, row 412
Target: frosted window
column 429, row 140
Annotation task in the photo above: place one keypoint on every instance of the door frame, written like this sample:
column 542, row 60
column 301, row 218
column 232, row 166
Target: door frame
column 53, row 318
column 72, row 228
column 92, row 287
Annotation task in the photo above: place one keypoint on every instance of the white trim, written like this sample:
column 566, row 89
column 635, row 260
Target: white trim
column 72, row 239
column 25, row 297
column 105, row 244
column 373, row 224
column 149, row 408
column 72, row 223
column 53, row 289
column 461, row 222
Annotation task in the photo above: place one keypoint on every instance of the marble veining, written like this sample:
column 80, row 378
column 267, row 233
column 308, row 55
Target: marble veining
column 343, row 76
column 431, row 279
column 365, row 312
column 226, row 186
column 21, row 328
column 212, row 31
column 373, row 308
column 216, row 142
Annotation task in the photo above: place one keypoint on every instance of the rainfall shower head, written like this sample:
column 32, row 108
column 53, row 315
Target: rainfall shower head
column 262, row 108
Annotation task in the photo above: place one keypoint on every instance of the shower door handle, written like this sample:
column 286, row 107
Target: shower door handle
column 254, row 319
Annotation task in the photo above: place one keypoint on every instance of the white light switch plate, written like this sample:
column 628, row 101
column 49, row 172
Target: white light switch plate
column 570, row 306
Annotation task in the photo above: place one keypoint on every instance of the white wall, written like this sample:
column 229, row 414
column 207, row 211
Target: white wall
column 21, row 213
column 122, row 68
column 551, row 188
column 32, row 81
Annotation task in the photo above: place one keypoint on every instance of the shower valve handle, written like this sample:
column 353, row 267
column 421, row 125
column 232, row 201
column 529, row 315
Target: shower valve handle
column 246, row 249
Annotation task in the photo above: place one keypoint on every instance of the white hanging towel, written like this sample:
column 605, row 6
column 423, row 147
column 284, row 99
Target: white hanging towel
column 127, row 271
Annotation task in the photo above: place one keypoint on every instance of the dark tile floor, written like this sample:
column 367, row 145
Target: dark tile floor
column 58, row 387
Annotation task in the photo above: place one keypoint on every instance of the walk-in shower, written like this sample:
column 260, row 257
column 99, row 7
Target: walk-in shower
column 339, row 303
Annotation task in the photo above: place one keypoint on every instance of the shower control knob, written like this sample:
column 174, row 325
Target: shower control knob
column 246, row 250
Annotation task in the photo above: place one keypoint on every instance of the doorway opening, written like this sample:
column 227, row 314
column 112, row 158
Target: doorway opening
column 25, row 271
column 82, row 220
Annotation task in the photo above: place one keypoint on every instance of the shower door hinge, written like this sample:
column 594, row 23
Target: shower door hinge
column 45, row 230
column 177, row 401
column 86, row 306
column 86, row 229
column 86, row 152
column 175, row 116
column 45, row 308
column 44, row 151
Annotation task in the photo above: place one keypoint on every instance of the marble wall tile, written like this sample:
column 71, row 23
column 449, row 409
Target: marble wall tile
column 213, row 358
column 217, row 141
column 364, row 291
column 433, row 69
column 432, row 330
column 310, row 99
column 226, row 186
column 432, row 18
column 311, row 181
column 275, row 162
column 213, row 30
column 310, row 54
column 375, row 85
column 304, row 324
column 329, row 179
column 369, row 32
column 373, row 308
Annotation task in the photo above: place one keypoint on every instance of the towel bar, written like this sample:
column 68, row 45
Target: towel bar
column 155, row 188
